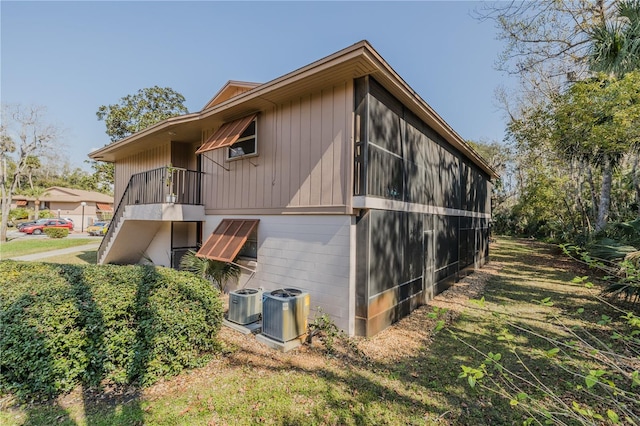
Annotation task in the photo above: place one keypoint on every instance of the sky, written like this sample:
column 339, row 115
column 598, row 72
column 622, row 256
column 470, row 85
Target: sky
column 73, row 57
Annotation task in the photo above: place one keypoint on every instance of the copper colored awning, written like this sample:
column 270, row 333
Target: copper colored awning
column 227, row 134
column 104, row 207
column 21, row 203
column 225, row 242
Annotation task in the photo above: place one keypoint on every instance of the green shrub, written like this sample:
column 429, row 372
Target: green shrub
column 56, row 232
column 64, row 325
column 46, row 214
column 19, row 213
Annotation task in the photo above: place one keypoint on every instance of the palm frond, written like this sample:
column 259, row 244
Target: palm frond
column 220, row 274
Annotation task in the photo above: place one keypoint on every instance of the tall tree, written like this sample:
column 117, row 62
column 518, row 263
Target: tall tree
column 597, row 120
column 556, row 47
column 32, row 163
column 546, row 41
column 24, row 134
column 104, row 175
column 140, row 110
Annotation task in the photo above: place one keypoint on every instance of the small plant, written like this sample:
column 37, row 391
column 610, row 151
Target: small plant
column 216, row 272
column 323, row 327
column 171, row 195
column 56, row 232
column 437, row 315
column 170, row 171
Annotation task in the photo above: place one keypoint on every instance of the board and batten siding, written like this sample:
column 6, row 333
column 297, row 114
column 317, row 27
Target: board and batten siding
column 312, row 253
column 304, row 159
column 158, row 156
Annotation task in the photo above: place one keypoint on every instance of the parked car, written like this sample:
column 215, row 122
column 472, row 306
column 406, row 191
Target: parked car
column 30, row 223
column 38, row 228
column 98, row 228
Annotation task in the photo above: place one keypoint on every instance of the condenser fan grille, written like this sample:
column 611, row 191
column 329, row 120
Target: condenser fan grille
column 286, row 292
column 246, row 291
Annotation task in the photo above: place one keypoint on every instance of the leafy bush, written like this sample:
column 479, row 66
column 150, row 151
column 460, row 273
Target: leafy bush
column 19, row 213
column 46, row 214
column 323, row 326
column 625, row 232
column 64, row 325
column 56, row 232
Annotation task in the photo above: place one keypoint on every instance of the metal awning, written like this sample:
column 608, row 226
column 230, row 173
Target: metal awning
column 227, row 134
column 225, row 242
column 104, row 207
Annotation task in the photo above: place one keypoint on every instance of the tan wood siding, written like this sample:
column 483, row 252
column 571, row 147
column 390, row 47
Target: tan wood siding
column 182, row 155
column 158, row 156
column 303, row 157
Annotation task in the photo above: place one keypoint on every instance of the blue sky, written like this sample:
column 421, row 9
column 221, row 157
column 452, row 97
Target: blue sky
column 73, row 57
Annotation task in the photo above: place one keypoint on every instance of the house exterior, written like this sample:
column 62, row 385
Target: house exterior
column 67, row 203
column 337, row 179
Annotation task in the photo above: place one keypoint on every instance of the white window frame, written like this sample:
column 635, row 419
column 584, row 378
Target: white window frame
column 246, row 138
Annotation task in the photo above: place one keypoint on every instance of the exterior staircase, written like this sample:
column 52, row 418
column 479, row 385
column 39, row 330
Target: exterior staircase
column 166, row 194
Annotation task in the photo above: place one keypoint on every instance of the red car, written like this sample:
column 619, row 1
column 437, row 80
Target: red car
column 38, row 228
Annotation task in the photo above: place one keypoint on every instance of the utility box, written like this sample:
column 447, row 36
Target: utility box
column 245, row 305
column 284, row 314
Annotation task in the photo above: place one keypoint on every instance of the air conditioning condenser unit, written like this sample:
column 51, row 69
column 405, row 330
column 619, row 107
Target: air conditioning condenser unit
column 284, row 314
column 245, row 305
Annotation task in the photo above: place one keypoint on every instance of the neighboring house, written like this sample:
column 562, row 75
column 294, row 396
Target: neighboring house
column 336, row 178
column 67, row 203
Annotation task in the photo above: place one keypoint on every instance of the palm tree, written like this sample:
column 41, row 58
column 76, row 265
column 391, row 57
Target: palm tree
column 36, row 192
column 615, row 43
column 218, row 273
column 614, row 50
column 32, row 163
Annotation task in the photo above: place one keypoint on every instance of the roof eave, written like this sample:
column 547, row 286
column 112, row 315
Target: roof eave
column 165, row 125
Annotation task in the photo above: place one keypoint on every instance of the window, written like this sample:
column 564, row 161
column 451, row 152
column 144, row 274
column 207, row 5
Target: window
column 246, row 144
column 250, row 247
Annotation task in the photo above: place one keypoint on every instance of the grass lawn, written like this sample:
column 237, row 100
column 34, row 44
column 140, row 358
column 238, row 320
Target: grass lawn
column 88, row 257
column 248, row 385
column 24, row 246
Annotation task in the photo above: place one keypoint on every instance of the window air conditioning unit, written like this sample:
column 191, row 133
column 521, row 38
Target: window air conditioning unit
column 284, row 314
column 245, row 305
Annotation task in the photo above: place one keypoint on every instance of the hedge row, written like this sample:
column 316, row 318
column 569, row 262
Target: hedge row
column 64, row 325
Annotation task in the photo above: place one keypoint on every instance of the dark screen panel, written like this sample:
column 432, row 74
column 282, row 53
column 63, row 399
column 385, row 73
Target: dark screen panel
column 446, row 240
column 385, row 267
column 362, row 267
column 384, row 127
column 412, row 247
column 384, row 174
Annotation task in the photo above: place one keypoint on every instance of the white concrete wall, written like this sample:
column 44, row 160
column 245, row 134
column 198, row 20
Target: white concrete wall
column 159, row 250
column 312, row 253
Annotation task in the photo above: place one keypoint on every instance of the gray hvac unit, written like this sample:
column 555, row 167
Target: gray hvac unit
column 245, row 305
column 284, row 314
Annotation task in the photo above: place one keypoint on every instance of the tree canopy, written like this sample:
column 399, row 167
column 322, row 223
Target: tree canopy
column 574, row 119
column 138, row 111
